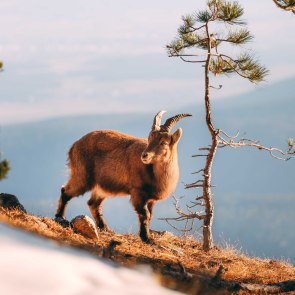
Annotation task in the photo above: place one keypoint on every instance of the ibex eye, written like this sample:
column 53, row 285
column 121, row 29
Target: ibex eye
column 164, row 143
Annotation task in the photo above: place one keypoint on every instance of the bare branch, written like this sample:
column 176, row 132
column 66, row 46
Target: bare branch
column 217, row 88
column 191, row 61
column 189, row 217
column 229, row 136
column 204, row 149
column 245, row 142
column 198, row 171
column 196, row 29
column 192, row 185
column 194, row 204
column 195, row 185
column 194, row 55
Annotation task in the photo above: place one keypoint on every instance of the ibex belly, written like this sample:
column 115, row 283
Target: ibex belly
column 108, row 188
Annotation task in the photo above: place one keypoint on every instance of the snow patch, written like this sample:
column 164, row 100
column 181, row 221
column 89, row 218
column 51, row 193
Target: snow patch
column 33, row 265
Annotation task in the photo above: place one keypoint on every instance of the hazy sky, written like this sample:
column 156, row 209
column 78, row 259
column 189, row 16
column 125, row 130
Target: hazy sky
column 80, row 57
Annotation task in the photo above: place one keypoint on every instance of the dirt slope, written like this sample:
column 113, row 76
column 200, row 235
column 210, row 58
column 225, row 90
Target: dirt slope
column 179, row 263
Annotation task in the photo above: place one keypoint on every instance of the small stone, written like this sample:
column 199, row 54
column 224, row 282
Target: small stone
column 85, row 226
column 9, row 201
column 40, row 223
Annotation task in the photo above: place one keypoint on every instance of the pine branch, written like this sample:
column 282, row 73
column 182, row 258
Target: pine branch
column 288, row 5
column 251, row 68
column 175, row 47
column 220, row 66
column 188, row 26
column 186, row 41
column 192, row 39
column 231, row 12
column 245, row 66
column 238, row 37
column 4, row 169
column 203, row 16
column 188, row 21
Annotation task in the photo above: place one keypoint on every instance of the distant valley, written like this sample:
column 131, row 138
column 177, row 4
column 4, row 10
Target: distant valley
column 254, row 194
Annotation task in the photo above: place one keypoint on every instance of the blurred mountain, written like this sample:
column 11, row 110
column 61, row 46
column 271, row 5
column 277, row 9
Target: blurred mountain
column 254, row 197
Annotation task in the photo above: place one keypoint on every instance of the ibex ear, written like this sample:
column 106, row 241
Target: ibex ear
column 176, row 135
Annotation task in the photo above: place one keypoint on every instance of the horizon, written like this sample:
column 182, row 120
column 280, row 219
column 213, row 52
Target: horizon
column 234, row 98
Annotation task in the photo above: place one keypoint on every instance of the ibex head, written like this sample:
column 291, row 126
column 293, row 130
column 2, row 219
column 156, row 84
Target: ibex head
column 161, row 144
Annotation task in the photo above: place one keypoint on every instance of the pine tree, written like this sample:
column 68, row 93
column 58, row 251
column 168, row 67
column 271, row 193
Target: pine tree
column 198, row 42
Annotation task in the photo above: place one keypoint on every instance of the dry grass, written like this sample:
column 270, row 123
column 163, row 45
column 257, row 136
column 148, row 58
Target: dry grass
column 166, row 256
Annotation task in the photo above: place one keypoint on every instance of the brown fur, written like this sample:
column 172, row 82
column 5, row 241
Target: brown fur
column 109, row 163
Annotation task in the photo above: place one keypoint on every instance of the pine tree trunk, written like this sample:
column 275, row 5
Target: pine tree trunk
column 207, row 194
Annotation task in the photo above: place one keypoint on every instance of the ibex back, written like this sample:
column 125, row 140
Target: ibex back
column 109, row 163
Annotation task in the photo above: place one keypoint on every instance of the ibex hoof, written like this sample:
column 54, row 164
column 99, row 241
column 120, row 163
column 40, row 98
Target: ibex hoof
column 63, row 222
column 148, row 240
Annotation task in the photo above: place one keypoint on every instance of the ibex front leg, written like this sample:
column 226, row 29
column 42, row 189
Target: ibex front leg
column 144, row 217
column 95, row 206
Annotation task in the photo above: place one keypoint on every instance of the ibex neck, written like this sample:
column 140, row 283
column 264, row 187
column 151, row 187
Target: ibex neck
column 166, row 177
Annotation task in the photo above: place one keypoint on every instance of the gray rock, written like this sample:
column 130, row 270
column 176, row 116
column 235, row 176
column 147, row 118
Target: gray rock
column 9, row 201
column 85, row 226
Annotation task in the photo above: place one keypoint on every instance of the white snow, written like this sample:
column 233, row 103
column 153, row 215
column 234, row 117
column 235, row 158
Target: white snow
column 32, row 265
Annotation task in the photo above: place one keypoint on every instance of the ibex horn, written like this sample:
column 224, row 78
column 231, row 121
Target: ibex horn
column 169, row 124
column 157, row 121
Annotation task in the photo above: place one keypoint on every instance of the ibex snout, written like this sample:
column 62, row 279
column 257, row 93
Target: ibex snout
column 146, row 157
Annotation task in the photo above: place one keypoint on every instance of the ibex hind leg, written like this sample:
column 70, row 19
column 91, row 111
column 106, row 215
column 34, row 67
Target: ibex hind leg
column 95, row 207
column 62, row 204
column 67, row 193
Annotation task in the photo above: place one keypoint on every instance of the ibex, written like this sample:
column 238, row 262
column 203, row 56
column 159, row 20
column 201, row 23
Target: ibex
column 110, row 163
